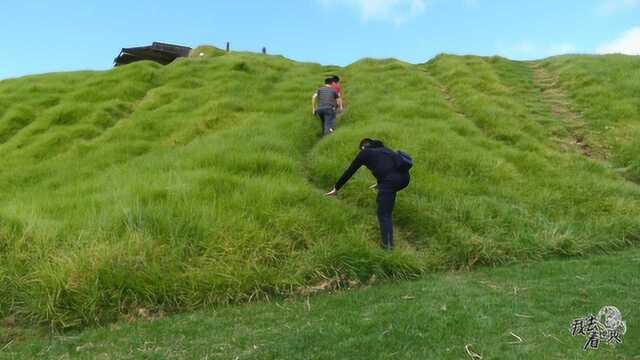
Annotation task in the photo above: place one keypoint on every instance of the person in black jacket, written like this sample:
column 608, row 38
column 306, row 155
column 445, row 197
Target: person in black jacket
column 381, row 161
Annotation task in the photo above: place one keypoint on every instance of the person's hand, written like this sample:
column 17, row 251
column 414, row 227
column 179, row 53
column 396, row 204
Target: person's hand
column 313, row 111
column 333, row 192
column 373, row 187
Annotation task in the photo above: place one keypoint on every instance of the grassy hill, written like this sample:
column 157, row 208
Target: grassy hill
column 199, row 183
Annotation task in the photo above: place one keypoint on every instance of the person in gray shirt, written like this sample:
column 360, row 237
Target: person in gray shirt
column 326, row 99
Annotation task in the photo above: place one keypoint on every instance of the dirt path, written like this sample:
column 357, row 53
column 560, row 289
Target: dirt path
column 450, row 99
column 559, row 102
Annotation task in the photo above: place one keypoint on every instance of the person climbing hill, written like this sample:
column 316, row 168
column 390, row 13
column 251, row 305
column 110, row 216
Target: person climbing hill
column 391, row 170
column 336, row 86
column 327, row 100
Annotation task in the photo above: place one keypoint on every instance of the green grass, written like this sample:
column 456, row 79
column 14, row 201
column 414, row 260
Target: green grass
column 605, row 90
column 431, row 318
column 200, row 183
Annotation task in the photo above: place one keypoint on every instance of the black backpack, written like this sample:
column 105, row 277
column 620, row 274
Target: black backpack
column 403, row 161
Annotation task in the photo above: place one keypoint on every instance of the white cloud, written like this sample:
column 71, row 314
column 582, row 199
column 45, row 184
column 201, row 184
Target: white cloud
column 396, row 11
column 627, row 43
column 611, row 7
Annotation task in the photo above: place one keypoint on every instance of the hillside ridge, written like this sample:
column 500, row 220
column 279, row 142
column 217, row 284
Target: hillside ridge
column 181, row 187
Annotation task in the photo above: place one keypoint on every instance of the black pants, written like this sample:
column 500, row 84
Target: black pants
column 327, row 119
column 386, row 200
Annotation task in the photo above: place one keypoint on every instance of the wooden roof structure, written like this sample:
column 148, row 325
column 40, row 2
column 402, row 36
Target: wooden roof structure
column 158, row 52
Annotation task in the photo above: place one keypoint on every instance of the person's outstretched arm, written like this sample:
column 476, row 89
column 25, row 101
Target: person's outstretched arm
column 313, row 103
column 355, row 165
column 339, row 101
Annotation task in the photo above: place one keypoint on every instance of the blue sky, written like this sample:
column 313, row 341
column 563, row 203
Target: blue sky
column 43, row 36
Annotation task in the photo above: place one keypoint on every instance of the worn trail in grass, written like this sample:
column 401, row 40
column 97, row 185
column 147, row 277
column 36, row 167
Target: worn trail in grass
column 604, row 92
column 559, row 103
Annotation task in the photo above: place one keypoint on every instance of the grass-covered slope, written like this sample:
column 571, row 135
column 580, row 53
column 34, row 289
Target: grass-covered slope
column 175, row 186
column 493, row 182
column 605, row 91
column 201, row 182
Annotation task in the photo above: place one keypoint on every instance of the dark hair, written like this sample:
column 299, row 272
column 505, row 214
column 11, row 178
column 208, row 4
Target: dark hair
column 328, row 81
column 336, row 78
column 370, row 143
